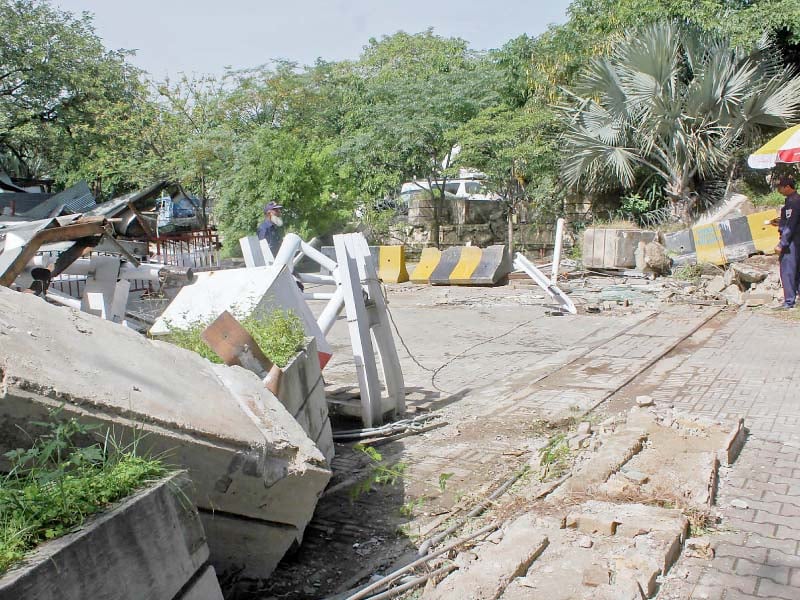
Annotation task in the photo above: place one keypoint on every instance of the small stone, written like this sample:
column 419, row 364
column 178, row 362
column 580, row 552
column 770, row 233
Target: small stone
column 577, row 441
column 699, row 548
column 644, row 400
column 584, row 428
column 584, row 542
column 636, row 477
column 737, row 503
column 595, row 576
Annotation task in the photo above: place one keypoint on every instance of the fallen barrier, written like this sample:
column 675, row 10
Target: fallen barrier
column 725, row 241
column 463, row 265
column 389, row 261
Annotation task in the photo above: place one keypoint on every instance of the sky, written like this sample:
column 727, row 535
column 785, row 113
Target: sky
column 206, row 36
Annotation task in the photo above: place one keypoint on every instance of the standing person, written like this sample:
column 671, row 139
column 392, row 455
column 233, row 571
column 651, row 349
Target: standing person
column 271, row 228
column 789, row 245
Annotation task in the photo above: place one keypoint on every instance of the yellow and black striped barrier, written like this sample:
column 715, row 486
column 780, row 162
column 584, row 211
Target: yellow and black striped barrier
column 463, row 265
column 390, row 262
column 725, row 241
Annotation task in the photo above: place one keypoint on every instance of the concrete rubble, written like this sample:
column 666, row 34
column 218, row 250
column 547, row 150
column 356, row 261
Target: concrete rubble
column 256, row 473
column 606, row 531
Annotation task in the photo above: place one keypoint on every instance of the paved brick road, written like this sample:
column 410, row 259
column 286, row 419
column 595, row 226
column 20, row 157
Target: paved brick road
column 749, row 367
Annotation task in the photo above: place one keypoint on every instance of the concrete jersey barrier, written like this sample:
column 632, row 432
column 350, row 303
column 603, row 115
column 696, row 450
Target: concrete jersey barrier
column 463, row 265
column 726, row 241
column 390, row 262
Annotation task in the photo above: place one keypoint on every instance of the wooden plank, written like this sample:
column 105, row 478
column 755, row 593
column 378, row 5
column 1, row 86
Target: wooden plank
column 235, row 346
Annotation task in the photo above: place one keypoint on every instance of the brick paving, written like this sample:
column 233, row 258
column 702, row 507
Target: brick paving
column 749, row 368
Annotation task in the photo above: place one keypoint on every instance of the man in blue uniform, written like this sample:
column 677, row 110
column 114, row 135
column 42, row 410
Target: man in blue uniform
column 271, row 228
column 789, row 245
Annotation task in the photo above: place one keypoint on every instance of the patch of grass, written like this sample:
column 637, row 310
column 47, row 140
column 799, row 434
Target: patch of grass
column 687, row 272
column 55, row 484
column 280, row 336
column 555, row 458
column 771, row 200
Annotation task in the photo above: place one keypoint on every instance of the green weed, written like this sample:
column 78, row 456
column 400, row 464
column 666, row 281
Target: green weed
column 55, row 484
column 554, row 458
column 280, row 336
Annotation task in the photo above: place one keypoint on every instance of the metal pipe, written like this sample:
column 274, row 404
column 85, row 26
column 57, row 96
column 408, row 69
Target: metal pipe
column 63, row 299
column 285, row 256
column 316, row 278
column 384, row 581
column 413, row 583
column 557, row 250
column 318, row 295
column 331, row 311
column 473, row 513
column 319, row 257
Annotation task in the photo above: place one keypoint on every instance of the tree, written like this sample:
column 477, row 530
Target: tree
column 416, row 90
column 672, row 103
column 58, row 87
column 517, row 151
column 279, row 165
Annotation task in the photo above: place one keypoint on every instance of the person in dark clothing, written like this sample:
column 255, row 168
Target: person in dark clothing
column 271, row 228
column 789, row 245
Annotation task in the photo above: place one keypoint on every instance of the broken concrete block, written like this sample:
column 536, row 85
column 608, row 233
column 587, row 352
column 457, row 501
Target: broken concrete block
column 699, row 548
column 656, row 259
column 644, row 401
column 734, row 443
column 716, row 285
column 122, row 552
column 753, row 299
column 732, row 294
column 242, row 292
column 738, row 503
column 584, row 428
column 748, row 273
column 603, row 524
column 636, row 476
column 496, row 567
column 247, row 456
column 577, row 441
column 596, row 575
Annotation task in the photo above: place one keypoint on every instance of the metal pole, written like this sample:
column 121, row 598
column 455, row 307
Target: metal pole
column 557, row 250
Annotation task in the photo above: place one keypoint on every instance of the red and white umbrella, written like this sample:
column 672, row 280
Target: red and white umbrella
column 783, row 148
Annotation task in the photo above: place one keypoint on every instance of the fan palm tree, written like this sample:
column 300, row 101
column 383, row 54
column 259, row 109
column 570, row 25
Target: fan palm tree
column 675, row 103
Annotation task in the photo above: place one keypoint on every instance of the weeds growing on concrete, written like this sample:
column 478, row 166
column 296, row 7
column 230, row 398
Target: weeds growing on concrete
column 56, row 483
column 555, row 458
column 687, row 272
column 280, row 336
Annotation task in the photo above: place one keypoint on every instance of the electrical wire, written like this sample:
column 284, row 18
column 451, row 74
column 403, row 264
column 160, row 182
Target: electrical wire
column 436, row 371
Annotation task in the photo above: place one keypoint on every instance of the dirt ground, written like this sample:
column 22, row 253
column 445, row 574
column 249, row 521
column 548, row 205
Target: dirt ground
column 502, row 377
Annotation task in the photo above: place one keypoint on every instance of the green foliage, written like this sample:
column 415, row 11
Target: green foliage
column 279, row 165
column 280, row 336
column 381, row 474
column 56, row 483
column 688, row 273
column 555, row 458
column 674, row 103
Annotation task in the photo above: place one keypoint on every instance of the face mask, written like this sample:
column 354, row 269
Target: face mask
column 277, row 220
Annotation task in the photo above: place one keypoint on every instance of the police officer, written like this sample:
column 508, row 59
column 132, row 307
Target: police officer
column 789, row 245
column 271, row 228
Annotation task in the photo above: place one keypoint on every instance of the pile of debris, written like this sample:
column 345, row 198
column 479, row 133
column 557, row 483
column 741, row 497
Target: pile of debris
column 755, row 282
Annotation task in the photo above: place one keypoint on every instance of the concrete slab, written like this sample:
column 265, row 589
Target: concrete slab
column 122, row 553
column 245, row 453
column 241, row 292
column 497, row 566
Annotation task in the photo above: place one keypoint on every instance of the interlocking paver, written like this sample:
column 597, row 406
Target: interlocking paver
column 748, row 374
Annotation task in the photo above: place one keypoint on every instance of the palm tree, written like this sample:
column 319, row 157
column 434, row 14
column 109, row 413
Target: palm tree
column 674, row 103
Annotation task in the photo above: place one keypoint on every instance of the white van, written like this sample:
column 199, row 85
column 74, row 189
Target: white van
column 463, row 188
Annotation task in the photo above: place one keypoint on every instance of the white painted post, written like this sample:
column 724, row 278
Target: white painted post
column 557, row 251
column 358, row 324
